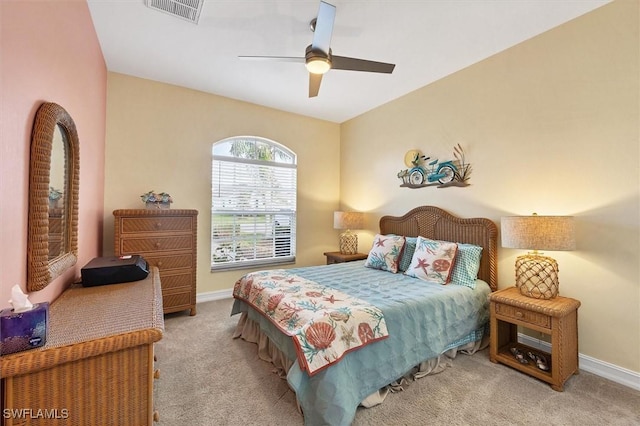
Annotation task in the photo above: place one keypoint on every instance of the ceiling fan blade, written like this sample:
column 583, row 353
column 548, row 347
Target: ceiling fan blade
column 354, row 64
column 273, row 58
column 324, row 27
column 314, row 84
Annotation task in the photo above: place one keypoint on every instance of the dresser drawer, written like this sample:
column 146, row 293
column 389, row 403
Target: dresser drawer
column 172, row 281
column 156, row 244
column 523, row 315
column 173, row 302
column 167, row 263
column 156, row 224
column 55, row 225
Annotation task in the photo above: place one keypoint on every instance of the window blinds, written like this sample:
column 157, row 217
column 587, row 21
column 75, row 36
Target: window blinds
column 253, row 212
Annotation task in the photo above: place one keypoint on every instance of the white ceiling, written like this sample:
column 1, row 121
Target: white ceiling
column 426, row 39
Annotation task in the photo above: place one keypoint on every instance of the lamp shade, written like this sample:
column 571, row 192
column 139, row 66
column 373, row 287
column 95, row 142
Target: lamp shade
column 348, row 220
column 538, row 232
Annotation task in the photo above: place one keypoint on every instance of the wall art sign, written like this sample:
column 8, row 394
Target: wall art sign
column 423, row 171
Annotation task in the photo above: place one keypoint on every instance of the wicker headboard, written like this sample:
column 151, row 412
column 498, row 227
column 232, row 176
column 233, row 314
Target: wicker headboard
column 435, row 223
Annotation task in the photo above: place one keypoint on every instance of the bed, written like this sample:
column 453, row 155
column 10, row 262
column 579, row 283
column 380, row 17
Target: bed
column 421, row 320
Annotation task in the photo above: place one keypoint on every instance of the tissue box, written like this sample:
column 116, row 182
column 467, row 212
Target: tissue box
column 23, row 330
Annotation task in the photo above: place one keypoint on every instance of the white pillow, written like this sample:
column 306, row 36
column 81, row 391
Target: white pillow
column 432, row 260
column 385, row 253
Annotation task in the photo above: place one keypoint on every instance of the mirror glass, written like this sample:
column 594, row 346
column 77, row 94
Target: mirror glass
column 56, row 194
column 52, row 245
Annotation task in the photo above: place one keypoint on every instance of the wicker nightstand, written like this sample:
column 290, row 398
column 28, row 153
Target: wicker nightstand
column 337, row 257
column 556, row 317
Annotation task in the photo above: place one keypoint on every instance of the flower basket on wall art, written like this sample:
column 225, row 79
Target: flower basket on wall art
column 153, row 200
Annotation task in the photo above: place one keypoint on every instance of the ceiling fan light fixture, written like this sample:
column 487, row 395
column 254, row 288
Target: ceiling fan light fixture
column 318, row 57
column 318, row 65
column 317, row 61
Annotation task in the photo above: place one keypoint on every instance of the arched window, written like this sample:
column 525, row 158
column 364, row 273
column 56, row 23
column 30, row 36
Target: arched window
column 253, row 203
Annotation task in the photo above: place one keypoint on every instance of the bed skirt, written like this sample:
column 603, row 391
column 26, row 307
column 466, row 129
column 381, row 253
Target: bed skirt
column 249, row 331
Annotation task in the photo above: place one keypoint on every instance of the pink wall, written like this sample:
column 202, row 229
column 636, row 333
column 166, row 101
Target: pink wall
column 49, row 52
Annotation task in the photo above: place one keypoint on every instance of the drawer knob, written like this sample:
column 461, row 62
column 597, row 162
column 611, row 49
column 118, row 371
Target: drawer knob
column 158, row 225
column 159, row 264
column 157, row 245
column 519, row 314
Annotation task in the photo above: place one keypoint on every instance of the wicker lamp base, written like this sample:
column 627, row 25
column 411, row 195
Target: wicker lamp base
column 348, row 243
column 537, row 276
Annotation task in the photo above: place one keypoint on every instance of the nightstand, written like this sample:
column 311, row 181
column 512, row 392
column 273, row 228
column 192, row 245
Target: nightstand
column 337, row 257
column 556, row 317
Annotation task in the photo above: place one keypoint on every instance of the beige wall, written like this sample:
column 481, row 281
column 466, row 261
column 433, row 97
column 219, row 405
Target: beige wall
column 49, row 52
column 551, row 126
column 159, row 137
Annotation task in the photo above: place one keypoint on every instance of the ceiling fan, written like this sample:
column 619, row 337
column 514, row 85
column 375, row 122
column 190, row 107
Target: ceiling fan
column 318, row 57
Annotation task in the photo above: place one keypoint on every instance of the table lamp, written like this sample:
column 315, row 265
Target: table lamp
column 537, row 275
column 348, row 221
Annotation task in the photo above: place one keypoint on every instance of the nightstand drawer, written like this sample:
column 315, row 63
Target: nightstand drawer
column 156, row 224
column 143, row 245
column 520, row 314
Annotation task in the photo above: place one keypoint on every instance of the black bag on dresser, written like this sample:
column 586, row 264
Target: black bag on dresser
column 114, row 270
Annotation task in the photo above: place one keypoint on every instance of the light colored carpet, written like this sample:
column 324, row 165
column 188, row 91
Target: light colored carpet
column 208, row 378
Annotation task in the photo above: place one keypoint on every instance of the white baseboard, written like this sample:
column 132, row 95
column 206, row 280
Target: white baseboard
column 599, row 368
column 214, row 295
column 592, row 365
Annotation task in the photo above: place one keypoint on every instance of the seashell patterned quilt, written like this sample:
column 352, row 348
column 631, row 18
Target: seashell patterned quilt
column 324, row 322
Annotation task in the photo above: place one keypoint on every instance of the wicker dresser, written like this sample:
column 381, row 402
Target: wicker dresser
column 166, row 238
column 97, row 367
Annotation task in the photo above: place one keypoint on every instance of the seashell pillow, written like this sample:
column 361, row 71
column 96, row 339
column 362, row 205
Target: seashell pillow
column 385, row 252
column 432, row 260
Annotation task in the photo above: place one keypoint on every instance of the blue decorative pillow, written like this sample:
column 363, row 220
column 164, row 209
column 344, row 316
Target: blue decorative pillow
column 407, row 253
column 385, row 253
column 467, row 264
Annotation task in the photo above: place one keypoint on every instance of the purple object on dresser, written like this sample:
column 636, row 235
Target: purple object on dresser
column 20, row 331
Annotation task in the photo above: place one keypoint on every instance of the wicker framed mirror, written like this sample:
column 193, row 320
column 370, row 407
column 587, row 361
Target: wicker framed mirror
column 54, row 176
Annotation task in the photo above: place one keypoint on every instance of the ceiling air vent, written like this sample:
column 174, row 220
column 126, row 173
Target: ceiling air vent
column 183, row 9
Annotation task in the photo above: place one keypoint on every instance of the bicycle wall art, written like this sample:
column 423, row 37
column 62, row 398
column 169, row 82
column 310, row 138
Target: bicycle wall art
column 423, row 171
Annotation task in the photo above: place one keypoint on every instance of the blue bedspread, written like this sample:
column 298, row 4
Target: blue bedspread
column 423, row 319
